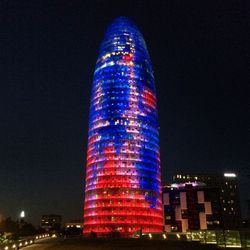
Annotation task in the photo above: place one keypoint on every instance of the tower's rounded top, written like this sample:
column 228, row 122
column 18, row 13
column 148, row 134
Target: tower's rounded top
column 123, row 21
column 123, row 34
column 122, row 24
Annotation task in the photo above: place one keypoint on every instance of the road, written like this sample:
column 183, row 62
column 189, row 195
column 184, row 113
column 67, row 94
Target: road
column 43, row 244
column 115, row 244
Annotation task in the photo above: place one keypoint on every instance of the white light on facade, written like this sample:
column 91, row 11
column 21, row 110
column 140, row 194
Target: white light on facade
column 233, row 175
column 22, row 214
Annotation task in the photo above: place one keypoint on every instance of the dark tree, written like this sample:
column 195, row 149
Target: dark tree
column 27, row 229
column 8, row 225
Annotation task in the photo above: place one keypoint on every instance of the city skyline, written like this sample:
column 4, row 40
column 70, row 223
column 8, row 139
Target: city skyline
column 198, row 52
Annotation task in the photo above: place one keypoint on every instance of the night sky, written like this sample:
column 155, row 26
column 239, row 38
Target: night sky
column 199, row 51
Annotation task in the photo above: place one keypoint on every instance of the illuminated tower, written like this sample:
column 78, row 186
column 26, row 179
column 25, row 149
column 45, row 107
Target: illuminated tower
column 123, row 176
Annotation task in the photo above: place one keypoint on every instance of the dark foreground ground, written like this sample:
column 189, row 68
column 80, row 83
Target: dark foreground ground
column 125, row 244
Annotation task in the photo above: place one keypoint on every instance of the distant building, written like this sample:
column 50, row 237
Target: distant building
column 245, row 223
column 74, row 223
column 228, row 195
column 248, row 209
column 51, row 222
column 190, row 206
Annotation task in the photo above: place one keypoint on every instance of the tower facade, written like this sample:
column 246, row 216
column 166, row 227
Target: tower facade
column 123, row 176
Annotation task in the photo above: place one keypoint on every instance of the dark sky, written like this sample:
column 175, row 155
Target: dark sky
column 199, row 52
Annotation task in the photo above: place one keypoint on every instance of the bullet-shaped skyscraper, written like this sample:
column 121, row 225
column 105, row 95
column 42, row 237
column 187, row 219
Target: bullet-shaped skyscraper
column 123, row 175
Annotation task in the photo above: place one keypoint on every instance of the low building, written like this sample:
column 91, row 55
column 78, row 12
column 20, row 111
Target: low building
column 51, row 222
column 190, row 206
column 228, row 195
column 74, row 223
